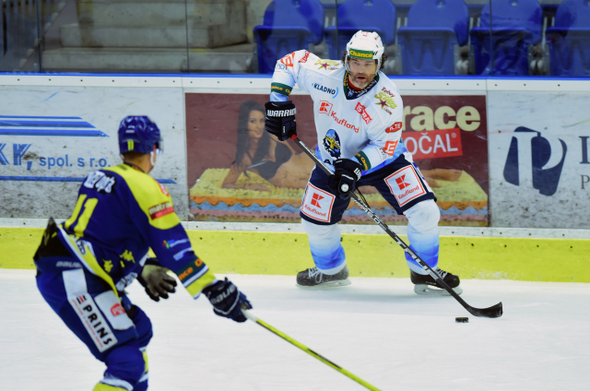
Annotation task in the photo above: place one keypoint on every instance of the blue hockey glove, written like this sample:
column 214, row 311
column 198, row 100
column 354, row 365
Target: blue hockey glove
column 227, row 300
column 346, row 173
column 280, row 119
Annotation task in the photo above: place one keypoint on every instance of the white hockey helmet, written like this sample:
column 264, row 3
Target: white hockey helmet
column 366, row 45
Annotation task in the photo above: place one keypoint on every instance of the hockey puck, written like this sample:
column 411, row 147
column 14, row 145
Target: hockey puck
column 462, row 319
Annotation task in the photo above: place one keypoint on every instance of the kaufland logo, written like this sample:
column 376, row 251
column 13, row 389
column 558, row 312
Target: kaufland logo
column 535, row 161
column 401, row 182
column 315, row 201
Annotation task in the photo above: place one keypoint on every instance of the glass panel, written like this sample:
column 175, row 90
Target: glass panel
column 568, row 39
column 421, row 37
column 19, row 37
column 287, row 26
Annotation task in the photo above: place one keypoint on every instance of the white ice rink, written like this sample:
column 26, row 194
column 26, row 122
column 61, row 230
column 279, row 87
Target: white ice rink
column 378, row 329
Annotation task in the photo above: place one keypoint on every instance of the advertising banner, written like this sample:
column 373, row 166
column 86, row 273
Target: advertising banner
column 540, row 167
column 236, row 173
column 52, row 137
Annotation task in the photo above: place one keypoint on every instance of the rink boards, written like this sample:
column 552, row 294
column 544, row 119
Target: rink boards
column 282, row 249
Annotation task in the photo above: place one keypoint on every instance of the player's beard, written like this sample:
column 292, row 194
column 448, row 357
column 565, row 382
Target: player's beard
column 360, row 80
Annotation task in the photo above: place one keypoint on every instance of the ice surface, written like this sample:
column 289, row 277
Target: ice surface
column 376, row 328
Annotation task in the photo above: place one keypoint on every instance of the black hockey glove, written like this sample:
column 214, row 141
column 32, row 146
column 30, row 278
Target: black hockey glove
column 156, row 281
column 346, row 173
column 227, row 300
column 280, row 119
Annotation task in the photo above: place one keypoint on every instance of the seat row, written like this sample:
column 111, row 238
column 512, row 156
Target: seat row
column 500, row 44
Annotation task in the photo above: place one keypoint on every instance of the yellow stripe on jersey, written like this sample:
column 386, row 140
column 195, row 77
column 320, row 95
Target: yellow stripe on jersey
column 87, row 257
column 83, row 219
column 153, row 199
column 197, row 286
column 106, row 387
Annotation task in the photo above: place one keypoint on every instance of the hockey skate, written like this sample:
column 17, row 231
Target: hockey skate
column 426, row 285
column 314, row 279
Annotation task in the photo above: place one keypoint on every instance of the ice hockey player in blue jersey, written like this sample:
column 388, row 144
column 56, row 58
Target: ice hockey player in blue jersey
column 358, row 114
column 84, row 264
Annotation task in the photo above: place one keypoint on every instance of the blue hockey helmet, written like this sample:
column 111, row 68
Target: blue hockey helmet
column 137, row 133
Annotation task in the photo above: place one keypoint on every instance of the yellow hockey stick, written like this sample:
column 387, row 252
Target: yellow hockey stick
column 307, row 350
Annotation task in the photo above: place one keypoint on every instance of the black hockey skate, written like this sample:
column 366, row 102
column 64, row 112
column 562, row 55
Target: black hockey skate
column 426, row 285
column 314, row 279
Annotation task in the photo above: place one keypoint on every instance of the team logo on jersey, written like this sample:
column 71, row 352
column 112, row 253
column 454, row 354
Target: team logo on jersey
column 386, row 101
column 362, row 110
column 327, row 65
column 332, row 143
column 331, row 91
column 405, row 185
column 397, row 126
column 317, row 204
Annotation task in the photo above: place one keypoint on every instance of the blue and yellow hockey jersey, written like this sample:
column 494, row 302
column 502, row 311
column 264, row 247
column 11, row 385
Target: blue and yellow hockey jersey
column 120, row 214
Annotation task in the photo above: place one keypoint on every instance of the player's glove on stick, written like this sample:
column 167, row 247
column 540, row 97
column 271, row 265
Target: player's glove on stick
column 280, row 119
column 156, row 281
column 346, row 173
column 227, row 300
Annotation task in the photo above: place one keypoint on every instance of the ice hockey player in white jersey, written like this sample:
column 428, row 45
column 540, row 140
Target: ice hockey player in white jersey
column 358, row 113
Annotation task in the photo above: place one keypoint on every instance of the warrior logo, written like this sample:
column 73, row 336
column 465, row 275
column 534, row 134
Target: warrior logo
column 332, row 143
column 534, row 161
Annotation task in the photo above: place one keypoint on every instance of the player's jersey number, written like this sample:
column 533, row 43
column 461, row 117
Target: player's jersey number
column 81, row 215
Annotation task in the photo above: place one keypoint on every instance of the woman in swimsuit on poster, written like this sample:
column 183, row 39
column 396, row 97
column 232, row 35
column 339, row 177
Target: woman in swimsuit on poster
column 257, row 152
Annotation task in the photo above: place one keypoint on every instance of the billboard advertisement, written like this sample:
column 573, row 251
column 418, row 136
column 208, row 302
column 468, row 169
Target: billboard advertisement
column 540, row 167
column 237, row 173
column 52, row 137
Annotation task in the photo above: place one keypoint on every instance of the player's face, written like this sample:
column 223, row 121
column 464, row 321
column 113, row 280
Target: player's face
column 256, row 124
column 362, row 72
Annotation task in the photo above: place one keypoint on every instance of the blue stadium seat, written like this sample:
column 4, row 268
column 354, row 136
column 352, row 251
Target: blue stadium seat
column 354, row 15
column 288, row 25
column 569, row 39
column 434, row 28
column 501, row 48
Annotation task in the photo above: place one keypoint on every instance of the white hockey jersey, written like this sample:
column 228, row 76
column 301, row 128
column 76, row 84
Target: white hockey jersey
column 364, row 124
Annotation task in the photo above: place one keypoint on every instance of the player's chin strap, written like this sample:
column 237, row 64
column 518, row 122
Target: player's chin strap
column 153, row 159
column 494, row 311
column 307, row 350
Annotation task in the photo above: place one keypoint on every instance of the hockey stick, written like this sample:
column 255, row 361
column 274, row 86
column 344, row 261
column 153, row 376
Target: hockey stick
column 307, row 350
column 494, row 311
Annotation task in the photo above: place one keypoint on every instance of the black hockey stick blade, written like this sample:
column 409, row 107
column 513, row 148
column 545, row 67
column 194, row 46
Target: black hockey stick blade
column 494, row 311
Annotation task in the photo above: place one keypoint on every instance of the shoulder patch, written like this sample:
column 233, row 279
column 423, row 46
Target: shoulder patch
column 160, row 210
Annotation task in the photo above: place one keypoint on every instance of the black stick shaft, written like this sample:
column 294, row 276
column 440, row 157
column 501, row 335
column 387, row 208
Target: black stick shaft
column 494, row 311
